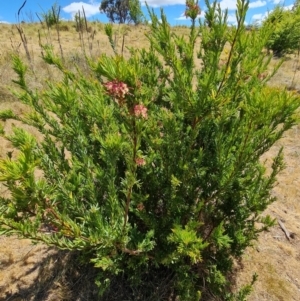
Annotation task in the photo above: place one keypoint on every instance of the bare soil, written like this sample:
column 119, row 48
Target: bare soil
column 38, row 273
column 275, row 258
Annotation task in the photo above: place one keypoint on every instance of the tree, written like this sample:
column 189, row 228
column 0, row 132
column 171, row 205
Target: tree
column 150, row 166
column 122, row 11
column 135, row 12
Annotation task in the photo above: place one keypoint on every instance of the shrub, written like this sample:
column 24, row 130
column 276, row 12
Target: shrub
column 64, row 27
column 151, row 165
column 285, row 37
column 51, row 17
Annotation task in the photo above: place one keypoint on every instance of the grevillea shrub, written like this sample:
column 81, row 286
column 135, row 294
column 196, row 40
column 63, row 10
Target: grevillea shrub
column 151, row 165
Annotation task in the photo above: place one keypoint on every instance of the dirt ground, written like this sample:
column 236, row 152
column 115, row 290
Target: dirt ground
column 275, row 258
column 34, row 272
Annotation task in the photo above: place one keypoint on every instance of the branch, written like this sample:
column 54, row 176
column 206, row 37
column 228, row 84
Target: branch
column 288, row 234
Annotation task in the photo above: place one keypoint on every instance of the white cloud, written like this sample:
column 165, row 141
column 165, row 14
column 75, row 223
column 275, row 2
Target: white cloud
column 281, row 2
column 258, row 3
column 159, row 21
column 90, row 9
column 231, row 4
column 184, row 18
column 228, row 4
column 181, row 18
column 231, row 19
column 2, row 21
column 288, row 7
column 258, row 18
column 159, row 3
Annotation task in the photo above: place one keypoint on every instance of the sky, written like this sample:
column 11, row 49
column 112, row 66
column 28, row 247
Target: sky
column 174, row 9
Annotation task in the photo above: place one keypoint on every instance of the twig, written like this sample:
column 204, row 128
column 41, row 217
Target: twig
column 87, row 31
column 24, row 42
column 79, row 25
column 296, row 69
column 57, row 30
column 21, row 9
column 22, row 36
column 123, row 42
column 286, row 232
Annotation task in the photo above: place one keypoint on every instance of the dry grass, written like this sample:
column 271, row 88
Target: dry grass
column 274, row 258
column 38, row 273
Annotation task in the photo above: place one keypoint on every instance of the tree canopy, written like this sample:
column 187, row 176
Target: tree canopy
column 122, row 11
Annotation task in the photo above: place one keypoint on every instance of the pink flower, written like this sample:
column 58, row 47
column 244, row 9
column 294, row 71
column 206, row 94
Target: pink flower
column 192, row 9
column 140, row 161
column 140, row 111
column 262, row 76
column 117, row 89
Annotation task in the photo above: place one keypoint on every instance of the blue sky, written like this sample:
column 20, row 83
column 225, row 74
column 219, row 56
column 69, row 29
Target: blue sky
column 174, row 9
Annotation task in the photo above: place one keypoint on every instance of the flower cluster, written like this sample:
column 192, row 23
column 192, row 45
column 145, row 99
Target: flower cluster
column 117, row 89
column 262, row 76
column 192, row 9
column 140, row 111
column 140, row 161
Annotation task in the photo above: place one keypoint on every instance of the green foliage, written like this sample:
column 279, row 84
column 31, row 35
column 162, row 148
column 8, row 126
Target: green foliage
column 135, row 12
column 108, row 28
column 7, row 114
column 80, row 23
column 122, row 11
column 296, row 5
column 285, row 37
column 151, row 164
column 51, row 17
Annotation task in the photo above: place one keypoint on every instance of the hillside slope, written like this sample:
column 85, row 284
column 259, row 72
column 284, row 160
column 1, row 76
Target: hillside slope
column 39, row 273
